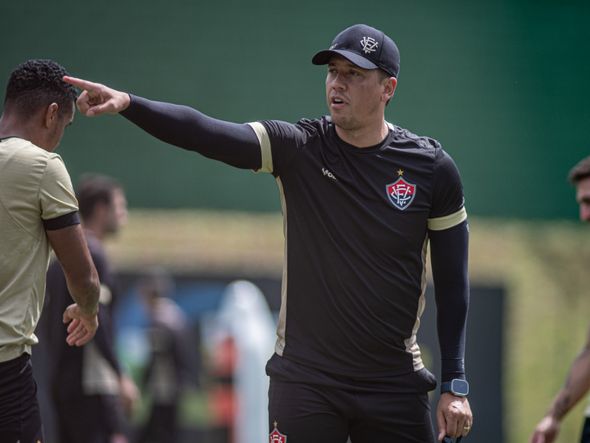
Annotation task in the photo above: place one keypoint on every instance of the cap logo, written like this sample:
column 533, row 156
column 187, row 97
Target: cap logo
column 369, row 44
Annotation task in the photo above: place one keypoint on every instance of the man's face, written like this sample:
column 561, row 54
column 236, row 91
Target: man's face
column 583, row 198
column 117, row 214
column 354, row 95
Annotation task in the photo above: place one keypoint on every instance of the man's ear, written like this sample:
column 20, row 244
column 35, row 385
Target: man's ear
column 389, row 90
column 51, row 115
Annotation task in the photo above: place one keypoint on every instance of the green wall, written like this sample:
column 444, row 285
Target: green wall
column 502, row 84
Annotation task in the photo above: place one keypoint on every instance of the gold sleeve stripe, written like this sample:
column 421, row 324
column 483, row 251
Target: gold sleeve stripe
column 265, row 151
column 448, row 221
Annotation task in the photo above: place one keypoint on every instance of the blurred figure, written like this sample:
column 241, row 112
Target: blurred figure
column 38, row 211
column 577, row 382
column 91, row 393
column 167, row 369
column 579, row 176
column 246, row 337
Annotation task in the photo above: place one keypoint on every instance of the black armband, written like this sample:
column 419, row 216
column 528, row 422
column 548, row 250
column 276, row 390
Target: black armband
column 63, row 221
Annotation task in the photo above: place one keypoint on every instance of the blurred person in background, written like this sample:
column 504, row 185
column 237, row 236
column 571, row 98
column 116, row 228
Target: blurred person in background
column 91, row 392
column 168, row 368
column 577, row 382
column 241, row 346
column 38, row 212
column 362, row 199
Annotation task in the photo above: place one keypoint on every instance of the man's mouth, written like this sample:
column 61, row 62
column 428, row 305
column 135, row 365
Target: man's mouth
column 337, row 101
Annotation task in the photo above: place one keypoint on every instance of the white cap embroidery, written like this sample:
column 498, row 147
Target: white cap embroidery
column 369, row 44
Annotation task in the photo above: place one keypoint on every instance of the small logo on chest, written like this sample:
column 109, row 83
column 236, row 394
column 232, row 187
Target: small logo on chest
column 401, row 193
column 328, row 174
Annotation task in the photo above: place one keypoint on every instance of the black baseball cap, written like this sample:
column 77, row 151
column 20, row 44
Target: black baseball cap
column 366, row 47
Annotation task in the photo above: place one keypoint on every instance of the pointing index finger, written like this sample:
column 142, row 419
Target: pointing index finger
column 79, row 83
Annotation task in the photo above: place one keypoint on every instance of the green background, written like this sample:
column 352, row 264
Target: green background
column 501, row 84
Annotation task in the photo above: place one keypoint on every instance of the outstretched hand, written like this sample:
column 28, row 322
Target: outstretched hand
column 97, row 99
column 81, row 328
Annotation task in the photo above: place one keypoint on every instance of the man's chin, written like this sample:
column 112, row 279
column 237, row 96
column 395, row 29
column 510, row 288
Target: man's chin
column 340, row 121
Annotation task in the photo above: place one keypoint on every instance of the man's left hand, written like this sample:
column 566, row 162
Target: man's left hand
column 81, row 327
column 453, row 415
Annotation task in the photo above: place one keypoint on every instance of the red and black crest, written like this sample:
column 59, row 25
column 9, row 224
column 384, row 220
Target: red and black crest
column 276, row 437
column 401, row 193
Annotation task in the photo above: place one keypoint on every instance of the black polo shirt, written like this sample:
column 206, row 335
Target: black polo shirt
column 356, row 230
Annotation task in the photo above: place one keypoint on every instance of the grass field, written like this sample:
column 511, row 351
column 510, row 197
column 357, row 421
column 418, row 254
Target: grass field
column 544, row 266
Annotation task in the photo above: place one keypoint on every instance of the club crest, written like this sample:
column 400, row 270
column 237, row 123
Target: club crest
column 369, row 44
column 276, row 437
column 401, row 193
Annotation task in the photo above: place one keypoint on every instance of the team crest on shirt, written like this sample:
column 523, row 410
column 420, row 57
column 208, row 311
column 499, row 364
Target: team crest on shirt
column 276, row 437
column 401, row 193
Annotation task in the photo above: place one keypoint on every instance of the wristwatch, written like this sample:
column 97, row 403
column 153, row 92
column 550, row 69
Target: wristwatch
column 456, row 386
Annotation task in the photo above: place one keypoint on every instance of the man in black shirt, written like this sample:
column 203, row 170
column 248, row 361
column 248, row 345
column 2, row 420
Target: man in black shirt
column 88, row 386
column 361, row 200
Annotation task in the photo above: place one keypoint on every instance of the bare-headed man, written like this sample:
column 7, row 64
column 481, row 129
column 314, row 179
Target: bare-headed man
column 38, row 211
column 577, row 382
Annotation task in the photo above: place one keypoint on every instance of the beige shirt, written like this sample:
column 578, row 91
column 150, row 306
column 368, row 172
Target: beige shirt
column 34, row 186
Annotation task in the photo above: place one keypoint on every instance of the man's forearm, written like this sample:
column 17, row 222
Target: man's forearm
column 576, row 386
column 449, row 252
column 182, row 126
column 86, row 295
column 72, row 252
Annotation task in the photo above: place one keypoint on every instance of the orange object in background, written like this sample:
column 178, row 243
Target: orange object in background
column 222, row 396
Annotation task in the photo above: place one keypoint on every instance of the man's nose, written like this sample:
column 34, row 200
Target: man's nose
column 338, row 82
column 585, row 212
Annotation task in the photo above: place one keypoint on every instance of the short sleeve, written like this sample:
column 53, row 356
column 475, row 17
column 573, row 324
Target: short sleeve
column 448, row 202
column 279, row 143
column 56, row 192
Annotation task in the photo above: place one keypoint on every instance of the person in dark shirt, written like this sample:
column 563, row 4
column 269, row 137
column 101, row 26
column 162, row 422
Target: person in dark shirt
column 167, row 370
column 89, row 389
column 361, row 201
column 577, row 382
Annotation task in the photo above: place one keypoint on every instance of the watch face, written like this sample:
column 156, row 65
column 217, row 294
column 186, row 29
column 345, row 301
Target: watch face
column 459, row 387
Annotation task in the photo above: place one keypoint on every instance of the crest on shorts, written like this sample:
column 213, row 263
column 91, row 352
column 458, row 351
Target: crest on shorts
column 401, row 193
column 276, row 437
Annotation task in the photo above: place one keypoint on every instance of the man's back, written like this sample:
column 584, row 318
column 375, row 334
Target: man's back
column 31, row 190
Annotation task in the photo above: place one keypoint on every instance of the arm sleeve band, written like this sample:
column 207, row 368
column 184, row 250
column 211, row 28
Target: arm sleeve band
column 61, row 222
column 232, row 143
column 449, row 253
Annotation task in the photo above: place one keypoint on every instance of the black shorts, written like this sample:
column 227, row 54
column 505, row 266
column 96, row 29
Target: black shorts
column 585, row 437
column 20, row 419
column 88, row 418
column 309, row 413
